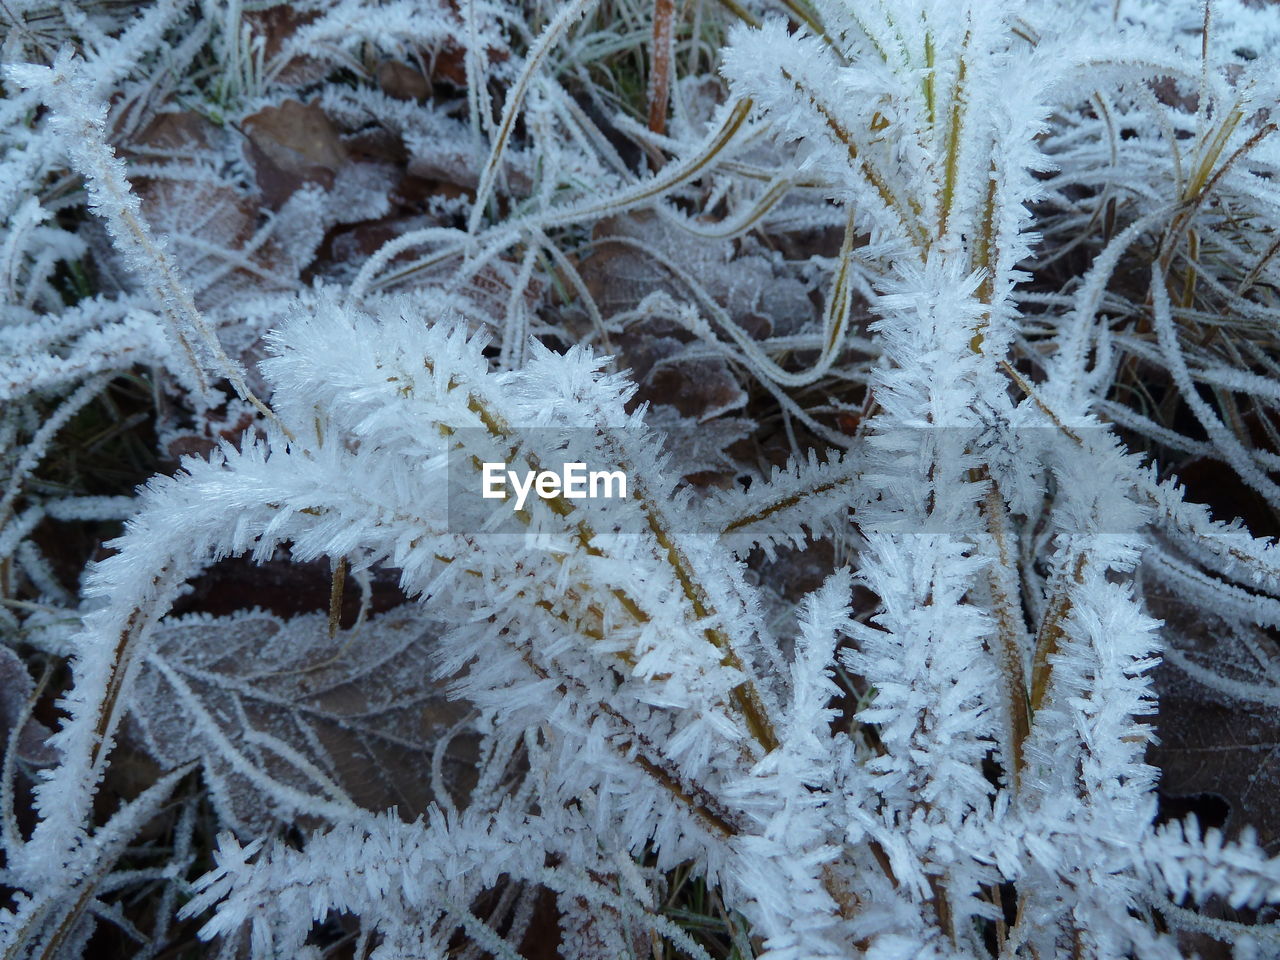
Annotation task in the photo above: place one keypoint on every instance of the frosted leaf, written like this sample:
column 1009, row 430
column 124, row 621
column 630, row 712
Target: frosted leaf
column 1218, row 726
column 209, row 224
column 697, row 447
column 16, row 687
column 623, row 269
column 354, row 718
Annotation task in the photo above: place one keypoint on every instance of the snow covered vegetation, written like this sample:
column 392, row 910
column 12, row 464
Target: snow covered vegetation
column 929, row 349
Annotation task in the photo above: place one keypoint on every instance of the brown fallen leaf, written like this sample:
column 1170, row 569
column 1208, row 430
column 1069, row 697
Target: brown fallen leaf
column 276, row 24
column 402, row 82
column 277, row 709
column 619, row 275
column 212, row 225
column 291, row 145
column 178, row 131
column 699, row 388
column 1219, row 720
column 449, row 64
column 1219, row 747
column 16, row 690
column 206, row 224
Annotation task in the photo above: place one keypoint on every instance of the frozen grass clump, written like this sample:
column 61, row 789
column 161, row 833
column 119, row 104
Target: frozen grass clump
column 935, row 342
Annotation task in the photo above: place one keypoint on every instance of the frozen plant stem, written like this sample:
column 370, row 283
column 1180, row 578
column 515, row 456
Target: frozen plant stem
column 661, row 49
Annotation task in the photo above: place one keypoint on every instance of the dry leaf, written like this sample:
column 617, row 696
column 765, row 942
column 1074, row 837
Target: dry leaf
column 403, row 82
column 290, row 145
column 16, row 689
column 1219, row 721
column 272, row 706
